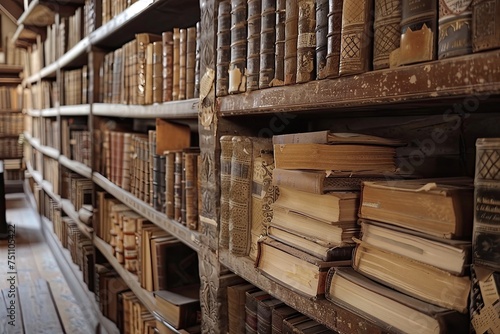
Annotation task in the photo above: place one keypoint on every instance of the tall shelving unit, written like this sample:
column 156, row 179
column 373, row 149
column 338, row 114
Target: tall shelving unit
column 456, row 96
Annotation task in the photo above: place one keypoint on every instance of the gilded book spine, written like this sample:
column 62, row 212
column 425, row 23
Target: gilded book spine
column 306, row 41
column 223, row 48
column 176, row 65
column 291, row 33
column 190, row 62
column 321, row 37
column 279, row 57
column 237, row 80
column 182, row 63
column 168, row 65
column 356, row 37
column 157, row 72
column 197, row 62
column 267, row 43
column 387, row 34
column 253, row 46
column 455, row 26
column 485, row 25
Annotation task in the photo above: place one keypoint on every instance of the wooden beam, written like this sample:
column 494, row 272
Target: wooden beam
column 12, row 9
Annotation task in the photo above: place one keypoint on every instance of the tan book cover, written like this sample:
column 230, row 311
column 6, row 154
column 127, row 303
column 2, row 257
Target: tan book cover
column 143, row 40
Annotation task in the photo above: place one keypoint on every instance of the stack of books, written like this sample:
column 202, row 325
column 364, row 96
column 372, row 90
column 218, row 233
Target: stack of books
column 413, row 256
column 314, row 218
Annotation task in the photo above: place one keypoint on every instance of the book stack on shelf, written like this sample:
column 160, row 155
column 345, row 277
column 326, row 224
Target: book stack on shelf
column 11, row 124
column 11, row 98
column 152, row 69
column 44, row 95
column 312, row 227
column 485, row 272
column 75, row 139
column 50, row 131
column 75, row 87
column 409, row 245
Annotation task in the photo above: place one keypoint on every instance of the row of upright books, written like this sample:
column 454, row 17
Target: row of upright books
column 341, row 222
column 265, row 43
column 11, row 98
column 153, row 69
column 11, row 124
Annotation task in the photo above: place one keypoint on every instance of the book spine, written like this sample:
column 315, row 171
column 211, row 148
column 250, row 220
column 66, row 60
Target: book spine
column 321, row 37
column 142, row 44
column 306, row 41
column 182, row 63
column 169, row 184
column 279, row 57
column 197, row 61
column 176, row 65
column 253, row 43
column 223, row 48
column 177, row 186
column 157, row 72
column 148, row 90
column 237, row 81
column 190, row 62
column 455, row 24
column 356, row 37
column 485, row 25
column 267, row 43
column 168, row 64
column 226, row 146
column 291, row 34
column 386, row 31
column 191, row 191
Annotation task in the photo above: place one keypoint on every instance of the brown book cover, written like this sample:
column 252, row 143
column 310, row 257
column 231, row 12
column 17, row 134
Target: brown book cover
column 321, row 38
column 251, row 304
column 148, row 88
column 264, row 314
column 455, row 28
column 291, row 34
column 290, row 323
column 168, row 63
column 176, row 64
column 180, row 308
column 278, row 315
column 190, row 62
column 484, row 299
column 223, row 48
column 169, row 183
column 485, row 25
column 182, row 63
column 238, row 62
column 387, row 308
column 328, row 137
column 334, row 37
column 143, row 40
column 191, row 190
column 356, row 37
column 267, row 43
column 157, row 72
column 178, row 187
column 159, row 252
column 226, row 145
column 236, row 298
column 253, row 46
column 306, row 41
column 486, row 235
column 279, row 58
column 386, row 31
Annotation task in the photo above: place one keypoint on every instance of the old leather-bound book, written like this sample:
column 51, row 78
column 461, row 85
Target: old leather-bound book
column 190, row 61
column 157, row 75
column 168, row 64
column 238, row 63
column 418, row 33
column 279, row 56
column 182, row 63
column 291, row 33
column 253, row 46
column 306, row 41
column 267, row 43
column 485, row 25
column 142, row 43
column 191, row 190
column 356, row 40
column 264, row 314
column 386, row 30
column 226, row 147
column 223, row 48
column 455, row 28
column 176, row 64
column 278, row 315
column 251, row 303
column 333, row 38
column 236, row 300
column 321, row 37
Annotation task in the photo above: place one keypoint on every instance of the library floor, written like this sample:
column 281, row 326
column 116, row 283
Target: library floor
column 34, row 260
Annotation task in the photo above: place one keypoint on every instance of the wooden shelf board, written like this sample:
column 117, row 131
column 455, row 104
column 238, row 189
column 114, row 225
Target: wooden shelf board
column 175, row 109
column 32, row 141
column 10, row 69
column 75, row 110
column 321, row 310
column 33, row 112
column 9, row 136
column 132, row 281
column 46, row 185
column 48, row 71
column 189, row 237
column 37, row 14
column 24, row 34
column 74, row 277
column 10, row 111
column 76, row 166
column 32, row 78
column 432, row 82
column 49, row 112
column 144, row 16
column 49, row 151
column 77, row 56
column 10, row 81
column 69, row 209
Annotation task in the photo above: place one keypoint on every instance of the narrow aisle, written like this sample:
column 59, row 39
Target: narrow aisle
column 34, row 259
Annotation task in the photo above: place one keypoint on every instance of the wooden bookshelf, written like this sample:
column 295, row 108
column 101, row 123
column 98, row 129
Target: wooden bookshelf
column 10, row 111
column 189, row 237
column 76, row 166
column 435, row 84
column 69, row 209
column 49, row 112
column 49, row 151
column 77, row 56
column 46, row 186
column 184, row 109
column 48, row 72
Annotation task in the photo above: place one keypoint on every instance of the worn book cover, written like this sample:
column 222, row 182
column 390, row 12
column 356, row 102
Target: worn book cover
column 455, row 28
column 386, row 31
column 306, row 41
column 291, row 34
column 253, row 46
column 238, row 62
column 223, row 48
column 485, row 25
column 267, row 43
